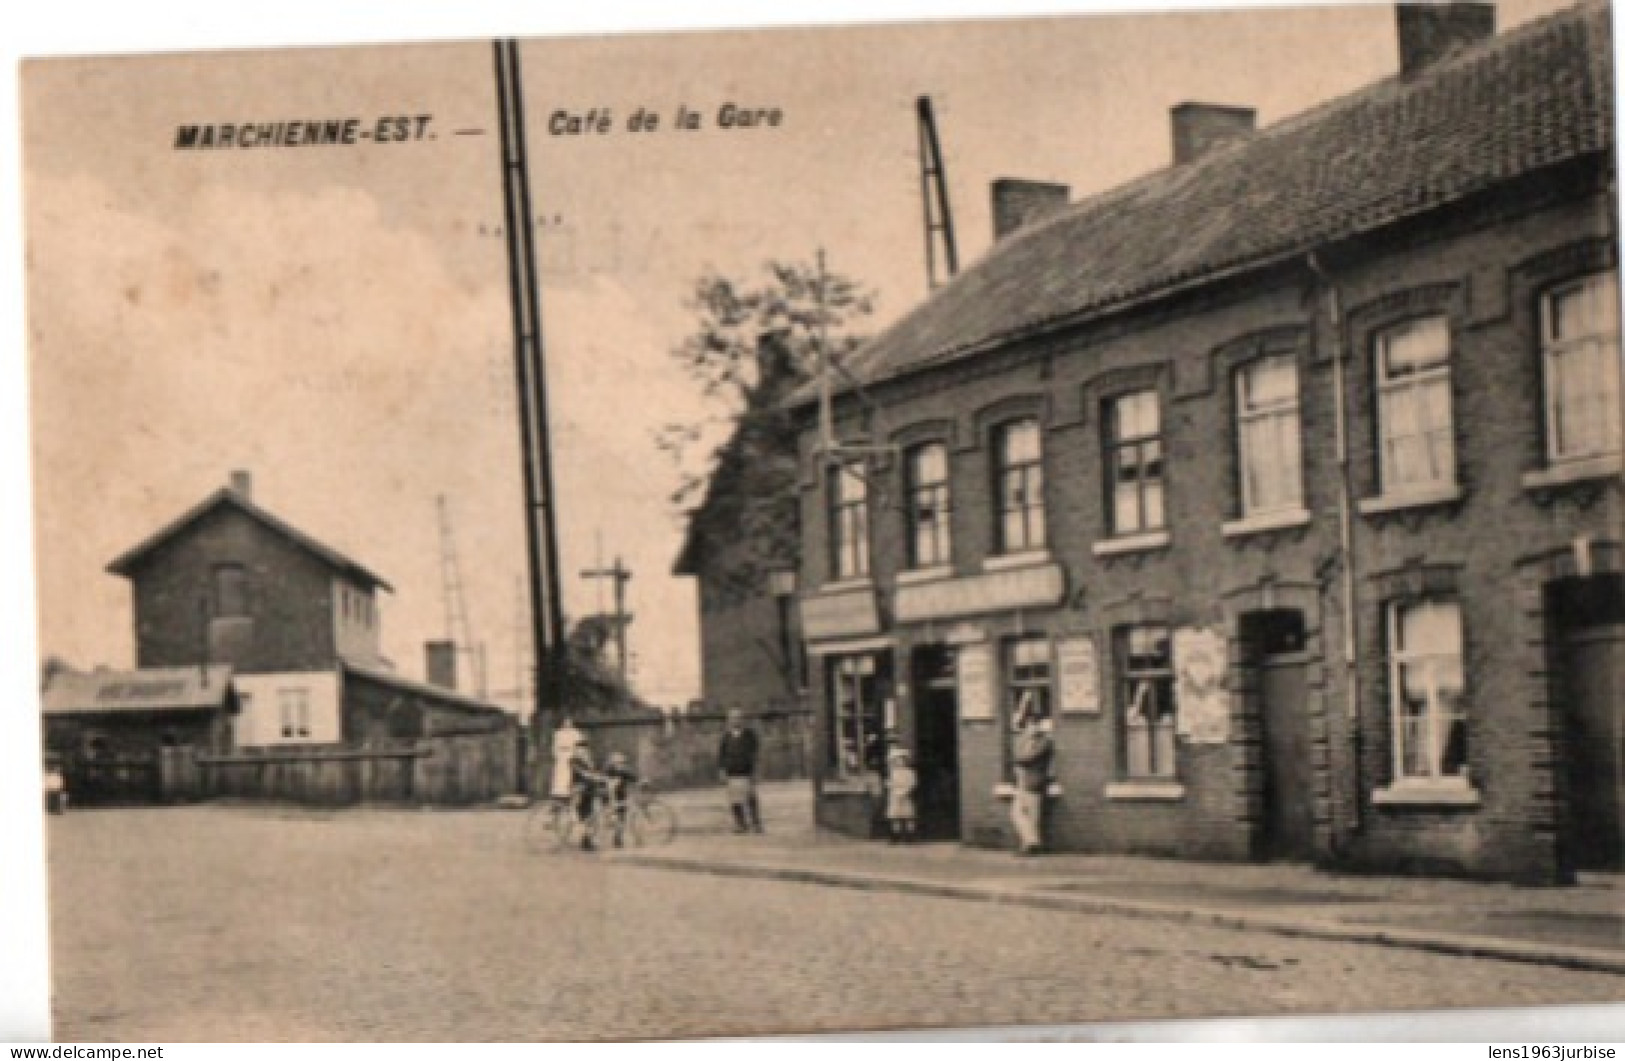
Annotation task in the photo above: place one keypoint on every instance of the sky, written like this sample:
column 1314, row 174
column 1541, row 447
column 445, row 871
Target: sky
column 336, row 319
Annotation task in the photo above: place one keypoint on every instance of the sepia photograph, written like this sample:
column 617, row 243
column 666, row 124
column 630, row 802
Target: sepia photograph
column 1110, row 520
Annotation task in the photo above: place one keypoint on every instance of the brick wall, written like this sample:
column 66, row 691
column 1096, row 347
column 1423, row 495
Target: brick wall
column 289, row 595
column 1485, row 269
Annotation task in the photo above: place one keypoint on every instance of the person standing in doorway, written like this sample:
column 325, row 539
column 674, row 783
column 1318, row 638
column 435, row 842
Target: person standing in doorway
column 736, row 758
column 1033, row 752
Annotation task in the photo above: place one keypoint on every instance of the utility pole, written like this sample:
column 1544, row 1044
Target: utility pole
column 620, row 576
column 939, row 219
column 541, row 518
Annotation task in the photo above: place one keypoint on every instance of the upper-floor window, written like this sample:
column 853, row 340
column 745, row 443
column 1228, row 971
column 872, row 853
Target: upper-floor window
column 929, row 542
column 849, row 519
column 1019, row 474
column 1416, row 440
column 230, row 591
column 1134, row 463
column 1426, row 686
column 1579, row 329
column 1267, row 435
column 1145, row 701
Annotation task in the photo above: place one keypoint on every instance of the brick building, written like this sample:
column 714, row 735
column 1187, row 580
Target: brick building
column 1285, row 481
column 297, row 622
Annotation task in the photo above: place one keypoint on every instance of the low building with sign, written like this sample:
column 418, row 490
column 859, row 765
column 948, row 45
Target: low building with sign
column 1284, row 481
column 108, row 729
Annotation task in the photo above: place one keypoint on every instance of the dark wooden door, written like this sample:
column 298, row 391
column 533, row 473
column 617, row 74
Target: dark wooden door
column 936, row 736
column 1593, row 661
column 1289, row 814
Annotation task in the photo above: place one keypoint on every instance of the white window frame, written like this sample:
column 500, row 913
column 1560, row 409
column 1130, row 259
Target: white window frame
column 849, row 520
column 1285, row 464
column 1603, row 387
column 1389, row 388
column 937, row 532
column 1150, row 460
column 293, row 709
column 1029, row 680
column 1018, row 497
column 850, row 712
column 1134, row 689
column 1437, row 716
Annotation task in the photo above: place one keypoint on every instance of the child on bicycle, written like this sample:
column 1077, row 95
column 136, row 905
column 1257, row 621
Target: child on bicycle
column 585, row 784
column 619, row 779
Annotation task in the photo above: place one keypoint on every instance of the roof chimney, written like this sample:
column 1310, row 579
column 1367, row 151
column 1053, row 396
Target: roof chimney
column 1018, row 203
column 1201, row 127
column 440, row 663
column 242, row 484
column 1431, row 33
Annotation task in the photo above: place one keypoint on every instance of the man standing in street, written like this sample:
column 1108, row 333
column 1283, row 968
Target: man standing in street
column 737, row 761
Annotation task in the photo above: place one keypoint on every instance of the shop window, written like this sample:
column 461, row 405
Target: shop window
column 857, row 726
column 1019, row 474
column 1416, row 441
column 929, row 541
column 849, row 520
column 1029, row 688
column 1145, row 701
column 1267, row 436
column 230, row 591
column 1426, row 685
column 1134, row 463
column 1580, row 355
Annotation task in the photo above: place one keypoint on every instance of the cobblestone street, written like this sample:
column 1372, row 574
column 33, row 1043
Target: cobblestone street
column 266, row 923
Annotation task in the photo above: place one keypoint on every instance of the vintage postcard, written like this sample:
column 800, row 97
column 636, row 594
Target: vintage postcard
column 1099, row 518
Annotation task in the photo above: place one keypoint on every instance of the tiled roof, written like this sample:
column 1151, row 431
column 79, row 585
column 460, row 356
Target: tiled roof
column 141, row 691
column 449, row 697
column 1518, row 103
column 127, row 563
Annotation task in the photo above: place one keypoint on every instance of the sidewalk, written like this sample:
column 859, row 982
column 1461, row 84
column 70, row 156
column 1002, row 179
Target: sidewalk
column 1581, row 927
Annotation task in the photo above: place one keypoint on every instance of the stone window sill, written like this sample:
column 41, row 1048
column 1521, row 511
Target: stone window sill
column 1433, row 495
column 847, row 585
column 1157, row 791
column 1133, row 543
column 1010, row 561
column 846, row 786
column 1005, row 790
column 1575, row 471
column 1426, row 794
column 1282, row 519
column 924, row 574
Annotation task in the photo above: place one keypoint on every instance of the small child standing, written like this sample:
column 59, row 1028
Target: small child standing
column 900, row 783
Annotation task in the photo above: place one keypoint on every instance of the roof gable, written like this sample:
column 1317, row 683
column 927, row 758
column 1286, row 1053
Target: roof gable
column 128, row 562
column 1535, row 97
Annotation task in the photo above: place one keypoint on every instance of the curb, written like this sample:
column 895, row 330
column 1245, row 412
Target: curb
column 1583, row 959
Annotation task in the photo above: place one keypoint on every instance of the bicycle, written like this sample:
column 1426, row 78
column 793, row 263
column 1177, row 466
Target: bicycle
column 641, row 821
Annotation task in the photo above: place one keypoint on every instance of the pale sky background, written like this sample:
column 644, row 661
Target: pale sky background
column 336, row 318
column 333, row 318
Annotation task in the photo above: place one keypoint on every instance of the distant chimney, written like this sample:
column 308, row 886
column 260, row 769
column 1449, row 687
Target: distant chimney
column 242, row 484
column 1018, row 203
column 1201, row 127
column 1431, row 33
column 440, row 663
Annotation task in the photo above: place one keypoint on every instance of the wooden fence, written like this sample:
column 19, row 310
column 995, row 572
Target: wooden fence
column 449, row 770
column 680, row 751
